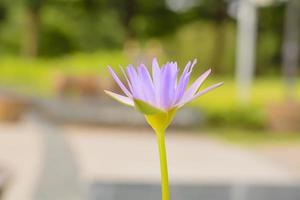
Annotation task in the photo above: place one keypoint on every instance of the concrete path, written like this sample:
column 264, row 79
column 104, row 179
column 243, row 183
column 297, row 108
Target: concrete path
column 131, row 155
column 122, row 155
column 289, row 154
column 59, row 177
column 20, row 155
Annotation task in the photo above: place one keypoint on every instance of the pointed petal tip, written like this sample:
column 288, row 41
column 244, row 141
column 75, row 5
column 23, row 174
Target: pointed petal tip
column 195, row 61
column 154, row 61
column 120, row 98
column 211, row 87
column 186, row 100
column 219, row 84
column 208, row 71
column 107, row 92
column 109, row 67
column 193, row 64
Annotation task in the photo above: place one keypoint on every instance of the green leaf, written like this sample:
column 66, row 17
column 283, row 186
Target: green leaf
column 146, row 108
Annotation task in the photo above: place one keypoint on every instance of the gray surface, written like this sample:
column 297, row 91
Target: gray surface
column 273, row 193
column 122, row 191
column 102, row 191
column 187, row 154
column 205, row 192
column 105, row 112
column 59, row 178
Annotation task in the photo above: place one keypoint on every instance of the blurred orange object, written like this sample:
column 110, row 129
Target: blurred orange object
column 284, row 117
column 11, row 107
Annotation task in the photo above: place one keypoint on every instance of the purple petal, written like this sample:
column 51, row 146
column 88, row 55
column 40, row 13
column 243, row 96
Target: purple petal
column 135, row 83
column 199, row 94
column 156, row 75
column 168, row 80
column 173, row 83
column 183, row 81
column 122, row 99
column 119, row 82
column 186, row 70
column 181, row 87
column 146, row 84
column 155, row 71
column 193, row 64
column 195, row 86
column 125, row 75
column 164, row 80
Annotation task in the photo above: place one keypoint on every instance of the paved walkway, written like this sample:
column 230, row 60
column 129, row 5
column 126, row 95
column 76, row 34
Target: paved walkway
column 20, row 155
column 287, row 154
column 130, row 155
column 115, row 154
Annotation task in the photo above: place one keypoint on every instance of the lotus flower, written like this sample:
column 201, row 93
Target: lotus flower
column 161, row 92
column 158, row 97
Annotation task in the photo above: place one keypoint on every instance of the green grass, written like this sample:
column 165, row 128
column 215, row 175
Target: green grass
column 36, row 77
column 254, row 137
column 264, row 91
column 222, row 108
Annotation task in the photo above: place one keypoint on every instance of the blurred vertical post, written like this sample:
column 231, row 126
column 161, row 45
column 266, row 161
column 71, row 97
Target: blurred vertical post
column 246, row 45
column 31, row 28
column 290, row 50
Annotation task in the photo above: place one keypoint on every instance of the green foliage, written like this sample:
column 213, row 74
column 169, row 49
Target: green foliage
column 69, row 26
column 80, row 28
column 252, row 137
column 37, row 77
column 34, row 4
column 215, row 10
column 269, row 44
column 3, row 12
column 240, row 116
column 55, row 42
column 194, row 41
column 221, row 107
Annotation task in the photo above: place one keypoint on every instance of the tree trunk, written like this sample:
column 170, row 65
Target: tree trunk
column 219, row 40
column 128, row 15
column 219, row 46
column 31, row 32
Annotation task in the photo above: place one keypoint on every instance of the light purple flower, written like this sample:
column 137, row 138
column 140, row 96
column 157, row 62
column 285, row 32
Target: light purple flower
column 164, row 89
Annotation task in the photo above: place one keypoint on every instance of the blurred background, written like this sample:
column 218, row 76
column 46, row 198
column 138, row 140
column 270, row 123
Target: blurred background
column 62, row 138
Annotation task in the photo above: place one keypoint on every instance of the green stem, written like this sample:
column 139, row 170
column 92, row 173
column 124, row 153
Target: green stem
column 163, row 165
